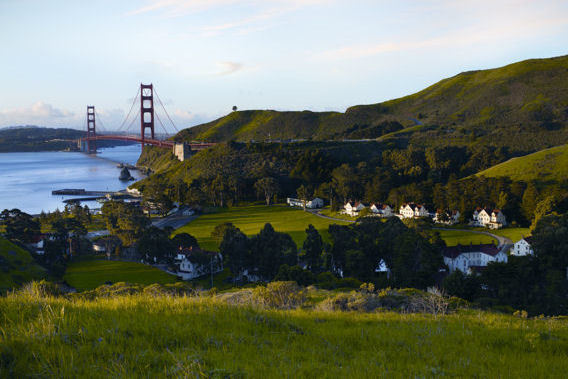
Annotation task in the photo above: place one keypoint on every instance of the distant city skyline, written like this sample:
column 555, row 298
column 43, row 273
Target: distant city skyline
column 205, row 56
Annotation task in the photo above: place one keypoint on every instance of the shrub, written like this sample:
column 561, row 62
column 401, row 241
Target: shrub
column 280, row 295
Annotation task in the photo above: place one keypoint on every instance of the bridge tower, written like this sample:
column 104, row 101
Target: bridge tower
column 91, row 130
column 146, row 110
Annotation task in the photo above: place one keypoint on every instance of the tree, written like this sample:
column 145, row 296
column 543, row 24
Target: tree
column 155, row 245
column 124, row 220
column 234, row 108
column 235, row 249
column 313, row 247
column 19, row 225
column 184, row 240
column 270, row 250
column 302, row 193
column 268, row 187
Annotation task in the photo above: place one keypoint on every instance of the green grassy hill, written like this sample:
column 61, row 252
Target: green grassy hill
column 91, row 273
column 549, row 165
column 252, row 219
column 503, row 106
column 17, row 266
column 202, row 336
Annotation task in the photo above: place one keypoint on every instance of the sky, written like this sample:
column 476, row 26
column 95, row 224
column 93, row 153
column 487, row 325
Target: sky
column 205, row 56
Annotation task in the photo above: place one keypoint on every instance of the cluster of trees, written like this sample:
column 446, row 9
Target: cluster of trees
column 412, row 254
column 337, row 172
column 537, row 284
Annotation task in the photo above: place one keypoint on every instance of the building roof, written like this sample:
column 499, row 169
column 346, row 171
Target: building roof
column 455, row 251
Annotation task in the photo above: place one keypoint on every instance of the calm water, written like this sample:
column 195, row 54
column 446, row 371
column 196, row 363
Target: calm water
column 27, row 179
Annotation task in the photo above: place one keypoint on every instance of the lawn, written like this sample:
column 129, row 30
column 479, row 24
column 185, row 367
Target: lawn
column 514, row 234
column 196, row 337
column 17, row 266
column 251, row 219
column 455, row 237
column 91, row 273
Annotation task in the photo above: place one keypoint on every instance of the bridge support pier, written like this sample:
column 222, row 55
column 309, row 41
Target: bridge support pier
column 182, row 151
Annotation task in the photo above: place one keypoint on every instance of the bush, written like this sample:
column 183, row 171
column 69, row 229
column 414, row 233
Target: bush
column 41, row 289
column 280, row 295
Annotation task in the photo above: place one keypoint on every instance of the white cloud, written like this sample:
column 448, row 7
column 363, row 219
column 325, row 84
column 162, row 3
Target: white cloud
column 494, row 29
column 39, row 112
column 228, row 68
column 260, row 12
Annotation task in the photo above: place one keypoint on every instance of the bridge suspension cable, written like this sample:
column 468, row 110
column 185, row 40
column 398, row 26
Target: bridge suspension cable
column 166, row 112
column 129, row 112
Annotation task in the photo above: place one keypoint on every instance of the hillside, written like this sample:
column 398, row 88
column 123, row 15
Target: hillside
column 549, row 165
column 522, row 105
column 16, row 266
column 225, row 336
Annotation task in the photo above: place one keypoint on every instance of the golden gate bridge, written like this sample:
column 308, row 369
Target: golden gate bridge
column 147, row 118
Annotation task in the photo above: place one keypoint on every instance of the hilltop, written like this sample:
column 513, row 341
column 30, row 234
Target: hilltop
column 507, row 106
column 548, row 165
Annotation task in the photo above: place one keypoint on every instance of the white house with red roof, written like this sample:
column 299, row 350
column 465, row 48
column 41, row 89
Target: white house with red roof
column 194, row 262
column 523, row 247
column 411, row 210
column 353, row 208
column 489, row 218
column 469, row 258
column 381, row 210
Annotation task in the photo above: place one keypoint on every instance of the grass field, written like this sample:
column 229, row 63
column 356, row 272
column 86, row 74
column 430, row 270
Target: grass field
column 155, row 336
column 91, row 273
column 251, row 219
column 455, row 237
column 514, row 234
column 17, row 266
column 543, row 166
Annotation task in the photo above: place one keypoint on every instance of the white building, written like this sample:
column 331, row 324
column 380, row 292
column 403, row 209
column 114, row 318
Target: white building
column 492, row 219
column 447, row 217
column 353, row 208
column 312, row 204
column 193, row 262
column 381, row 210
column 523, row 247
column 468, row 258
column 411, row 210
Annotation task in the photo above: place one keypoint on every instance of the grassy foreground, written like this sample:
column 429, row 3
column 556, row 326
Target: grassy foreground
column 91, row 273
column 251, row 219
column 163, row 336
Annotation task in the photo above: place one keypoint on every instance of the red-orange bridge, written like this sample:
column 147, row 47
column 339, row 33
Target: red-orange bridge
column 147, row 116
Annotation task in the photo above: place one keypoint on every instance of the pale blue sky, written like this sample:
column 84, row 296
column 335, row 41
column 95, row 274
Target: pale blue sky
column 204, row 56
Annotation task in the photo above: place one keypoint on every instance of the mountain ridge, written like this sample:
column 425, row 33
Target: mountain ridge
column 524, row 98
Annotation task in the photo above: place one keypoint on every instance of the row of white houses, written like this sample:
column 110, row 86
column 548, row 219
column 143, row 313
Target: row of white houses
column 489, row 218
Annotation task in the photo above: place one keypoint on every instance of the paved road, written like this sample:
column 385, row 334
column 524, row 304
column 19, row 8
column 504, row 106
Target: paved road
column 173, row 221
column 316, row 212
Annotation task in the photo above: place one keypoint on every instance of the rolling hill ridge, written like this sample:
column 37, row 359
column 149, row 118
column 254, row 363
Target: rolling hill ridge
column 511, row 106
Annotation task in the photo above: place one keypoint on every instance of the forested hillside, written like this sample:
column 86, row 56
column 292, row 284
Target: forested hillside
column 522, row 106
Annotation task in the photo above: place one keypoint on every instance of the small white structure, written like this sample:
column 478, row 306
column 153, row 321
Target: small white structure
column 492, row 219
column 523, row 247
column 353, row 208
column 447, row 217
column 312, row 204
column 37, row 244
column 410, row 210
column 193, row 262
column 381, row 210
column 99, row 247
column 469, row 258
